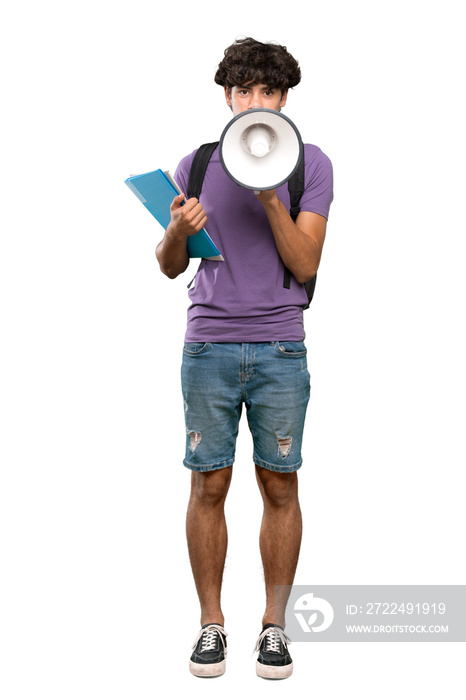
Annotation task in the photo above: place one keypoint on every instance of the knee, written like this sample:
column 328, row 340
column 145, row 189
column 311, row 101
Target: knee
column 210, row 488
column 278, row 489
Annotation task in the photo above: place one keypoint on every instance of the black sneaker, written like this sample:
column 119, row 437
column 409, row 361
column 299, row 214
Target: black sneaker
column 210, row 650
column 274, row 660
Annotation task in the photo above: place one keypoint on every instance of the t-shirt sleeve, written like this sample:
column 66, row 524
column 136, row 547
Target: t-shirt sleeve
column 318, row 183
column 182, row 173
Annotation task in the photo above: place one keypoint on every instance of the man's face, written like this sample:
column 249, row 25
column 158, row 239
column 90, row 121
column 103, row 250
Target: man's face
column 252, row 96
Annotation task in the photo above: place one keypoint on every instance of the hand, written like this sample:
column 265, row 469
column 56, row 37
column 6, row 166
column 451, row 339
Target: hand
column 186, row 219
column 267, row 196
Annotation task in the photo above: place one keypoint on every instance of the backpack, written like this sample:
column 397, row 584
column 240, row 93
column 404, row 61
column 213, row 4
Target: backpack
column 295, row 188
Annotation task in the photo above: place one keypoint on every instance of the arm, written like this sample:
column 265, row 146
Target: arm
column 299, row 244
column 186, row 220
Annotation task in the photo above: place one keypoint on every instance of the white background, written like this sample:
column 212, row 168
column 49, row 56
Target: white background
column 97, row 596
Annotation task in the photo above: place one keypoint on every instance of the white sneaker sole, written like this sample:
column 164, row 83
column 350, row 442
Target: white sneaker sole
column 208, row 670
column 274, row 672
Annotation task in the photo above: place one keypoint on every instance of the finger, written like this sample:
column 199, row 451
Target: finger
column 196, row 214
column 177, row 202
column 191, row 212
column 191, row 204
column 199, row 222
column 198, row 228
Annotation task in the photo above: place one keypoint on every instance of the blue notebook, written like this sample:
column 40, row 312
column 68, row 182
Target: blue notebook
column 156, row 191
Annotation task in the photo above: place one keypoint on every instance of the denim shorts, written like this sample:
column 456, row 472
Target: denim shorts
column 270, row 379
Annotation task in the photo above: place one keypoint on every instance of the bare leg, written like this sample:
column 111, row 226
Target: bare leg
column 280, row 538
column 206, row 532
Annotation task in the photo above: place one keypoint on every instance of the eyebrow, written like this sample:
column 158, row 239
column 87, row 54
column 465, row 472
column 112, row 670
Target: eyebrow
column 248, row 87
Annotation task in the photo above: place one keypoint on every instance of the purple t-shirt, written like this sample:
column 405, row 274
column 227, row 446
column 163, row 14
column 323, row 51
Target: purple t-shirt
column 242, row 298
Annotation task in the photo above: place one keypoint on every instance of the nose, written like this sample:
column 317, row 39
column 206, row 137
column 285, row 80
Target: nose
column 255, row 99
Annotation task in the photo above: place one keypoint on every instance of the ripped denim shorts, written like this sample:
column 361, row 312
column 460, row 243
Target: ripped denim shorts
column 270, row 379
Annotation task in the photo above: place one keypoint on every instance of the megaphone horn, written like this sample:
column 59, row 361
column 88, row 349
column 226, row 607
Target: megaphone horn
column 260, row 149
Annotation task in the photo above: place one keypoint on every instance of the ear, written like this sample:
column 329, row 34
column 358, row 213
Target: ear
column 284, row 98
column 228, row 95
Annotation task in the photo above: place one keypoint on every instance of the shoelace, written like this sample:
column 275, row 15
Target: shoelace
column 209, row 636
column 274, row 635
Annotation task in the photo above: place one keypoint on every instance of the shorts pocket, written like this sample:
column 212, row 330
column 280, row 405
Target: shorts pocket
column 291, row 349
column 194, row 349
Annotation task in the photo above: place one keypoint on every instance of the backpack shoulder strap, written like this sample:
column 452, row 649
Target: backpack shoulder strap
column 196, row 174
column 198, row 168
column 296, row 189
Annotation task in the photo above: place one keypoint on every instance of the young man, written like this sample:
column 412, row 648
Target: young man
column 244, row 345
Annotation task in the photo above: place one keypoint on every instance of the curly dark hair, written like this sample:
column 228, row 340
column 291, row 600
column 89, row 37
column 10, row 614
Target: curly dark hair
column 250, row 62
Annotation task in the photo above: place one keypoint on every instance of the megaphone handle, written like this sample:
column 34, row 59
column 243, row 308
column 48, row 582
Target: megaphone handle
column 257, row 191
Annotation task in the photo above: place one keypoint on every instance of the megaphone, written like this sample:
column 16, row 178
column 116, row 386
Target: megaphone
column 260, row 149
